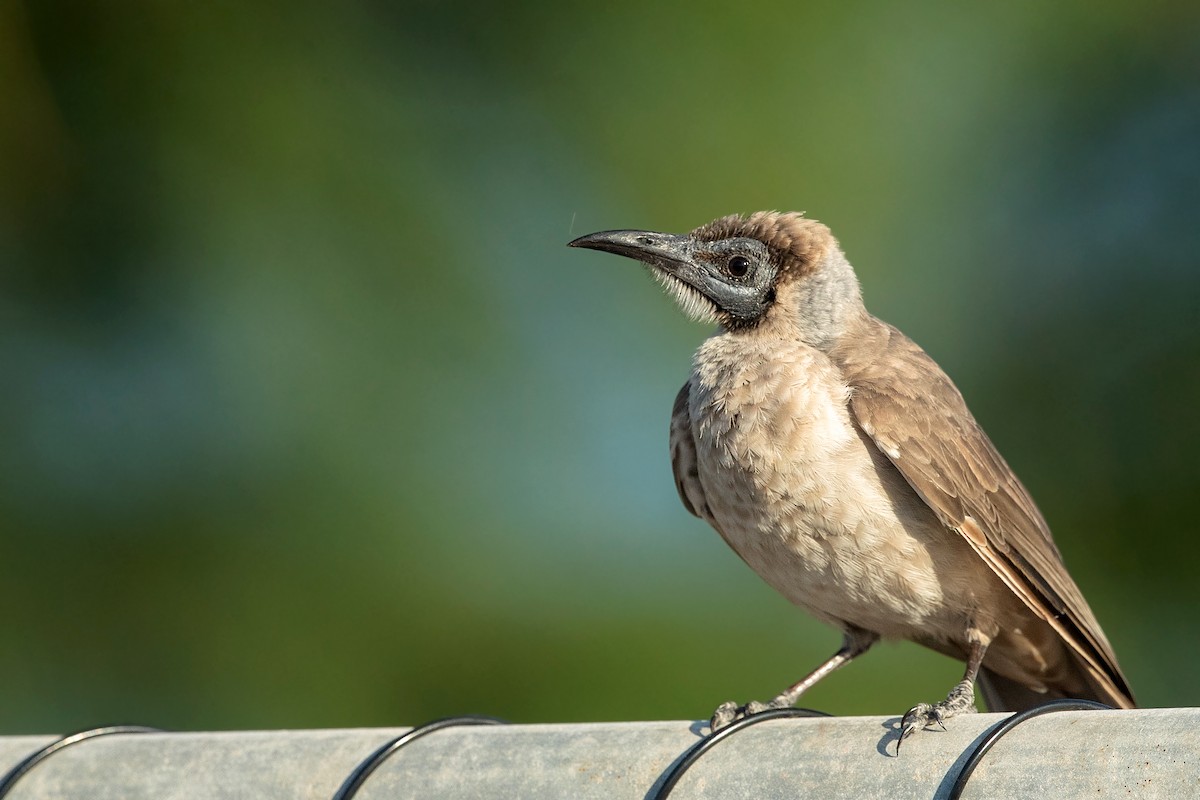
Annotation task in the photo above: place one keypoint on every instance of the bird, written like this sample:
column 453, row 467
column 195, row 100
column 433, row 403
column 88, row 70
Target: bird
column 840, row 462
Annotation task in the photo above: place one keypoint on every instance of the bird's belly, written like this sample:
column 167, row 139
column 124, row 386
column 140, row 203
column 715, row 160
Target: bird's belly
column 874, row 576
column 812, row 506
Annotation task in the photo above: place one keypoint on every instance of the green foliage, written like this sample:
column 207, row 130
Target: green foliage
column 310, row 419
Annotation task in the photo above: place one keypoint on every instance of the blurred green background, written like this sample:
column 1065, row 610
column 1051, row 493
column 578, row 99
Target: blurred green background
column 309, row 418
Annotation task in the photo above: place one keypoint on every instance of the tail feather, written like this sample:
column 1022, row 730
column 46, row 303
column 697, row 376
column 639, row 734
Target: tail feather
column 1004, row 694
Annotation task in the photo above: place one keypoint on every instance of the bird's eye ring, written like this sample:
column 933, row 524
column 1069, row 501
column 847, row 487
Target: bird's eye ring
column 738, row 266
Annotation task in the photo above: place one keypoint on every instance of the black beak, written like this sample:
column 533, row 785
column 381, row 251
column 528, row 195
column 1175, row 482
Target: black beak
column 667, row 251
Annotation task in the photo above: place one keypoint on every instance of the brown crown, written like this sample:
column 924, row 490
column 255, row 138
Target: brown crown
column 796, row 242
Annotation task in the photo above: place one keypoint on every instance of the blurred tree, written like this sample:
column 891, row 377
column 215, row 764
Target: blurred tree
column 309, row 419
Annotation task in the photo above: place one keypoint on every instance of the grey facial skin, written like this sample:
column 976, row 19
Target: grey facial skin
column 838, row 460
column 735, row 275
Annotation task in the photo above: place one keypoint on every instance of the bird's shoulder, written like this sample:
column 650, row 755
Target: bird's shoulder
column 915, row 414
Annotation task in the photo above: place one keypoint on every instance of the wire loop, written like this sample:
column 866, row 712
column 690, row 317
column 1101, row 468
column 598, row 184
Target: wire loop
column 696, row 751
column 38, row 756
column 1001, row 728
column 363, row 771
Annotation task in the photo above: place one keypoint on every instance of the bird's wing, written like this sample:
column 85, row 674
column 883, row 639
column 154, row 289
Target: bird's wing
column 916, row 416
column 683, row 458
column 685, row 465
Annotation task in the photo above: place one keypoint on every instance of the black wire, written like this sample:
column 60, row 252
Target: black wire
column 363, row 771
column 696, row 751
column 38, row 756
column 1001, row 728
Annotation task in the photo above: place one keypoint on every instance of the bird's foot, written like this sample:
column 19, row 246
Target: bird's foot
column 961, row 700
column 728, row 713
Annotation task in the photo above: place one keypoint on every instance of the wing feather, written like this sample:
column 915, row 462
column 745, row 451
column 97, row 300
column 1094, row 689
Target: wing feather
column 685, row 464
column 914, row 413
column 683, row 458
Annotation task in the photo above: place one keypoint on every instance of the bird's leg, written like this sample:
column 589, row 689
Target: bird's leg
column 960, row 700
column 855, row 642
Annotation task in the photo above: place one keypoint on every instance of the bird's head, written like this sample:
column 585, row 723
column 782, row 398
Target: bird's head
column 743, row 272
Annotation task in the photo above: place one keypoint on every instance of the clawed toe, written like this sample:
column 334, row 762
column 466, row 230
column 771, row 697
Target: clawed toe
column 918, row 718
column 961, row 700
column 729, row 713
column 725, row 715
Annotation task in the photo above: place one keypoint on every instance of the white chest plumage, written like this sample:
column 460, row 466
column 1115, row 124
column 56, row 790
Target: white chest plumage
column 805, row 498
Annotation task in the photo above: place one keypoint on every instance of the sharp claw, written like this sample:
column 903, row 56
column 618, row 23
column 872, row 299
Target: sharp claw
column 923, row 715
column 916, row 718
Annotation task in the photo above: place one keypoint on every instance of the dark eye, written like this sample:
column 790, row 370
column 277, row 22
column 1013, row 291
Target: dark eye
column 739, row 266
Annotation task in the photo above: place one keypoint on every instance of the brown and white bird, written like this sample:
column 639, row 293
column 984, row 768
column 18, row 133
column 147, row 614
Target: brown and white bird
column 838, row 460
